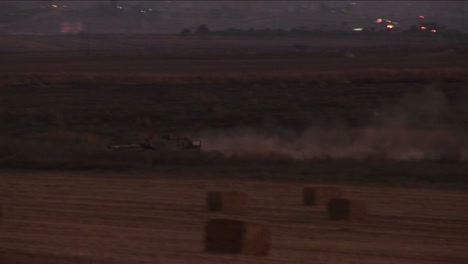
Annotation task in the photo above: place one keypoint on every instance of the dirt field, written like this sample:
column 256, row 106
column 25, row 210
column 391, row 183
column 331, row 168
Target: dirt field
column 383, row 117
column 217, row 55
column 127, row 217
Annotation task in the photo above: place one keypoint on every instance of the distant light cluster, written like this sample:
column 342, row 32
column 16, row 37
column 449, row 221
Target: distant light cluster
column 391, row 25
column 142, row 11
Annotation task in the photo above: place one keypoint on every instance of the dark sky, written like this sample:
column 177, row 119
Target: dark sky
column 172, row 16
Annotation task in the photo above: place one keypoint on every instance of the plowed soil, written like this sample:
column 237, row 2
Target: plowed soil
column 89, row 217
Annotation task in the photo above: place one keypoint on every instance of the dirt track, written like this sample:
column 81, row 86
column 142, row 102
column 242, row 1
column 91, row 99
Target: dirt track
column 125, row 218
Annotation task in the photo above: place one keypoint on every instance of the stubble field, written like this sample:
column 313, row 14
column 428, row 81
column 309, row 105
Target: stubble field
column 134, row 218
column 386, row 119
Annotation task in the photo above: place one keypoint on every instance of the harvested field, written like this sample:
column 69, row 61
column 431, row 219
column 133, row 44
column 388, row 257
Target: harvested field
column 78, row 217
column 388, row 125
column 320, row 195
column 226, row 201
column 65, row 99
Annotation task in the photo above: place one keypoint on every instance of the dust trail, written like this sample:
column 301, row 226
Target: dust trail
column 418, row 128
column 316, row 143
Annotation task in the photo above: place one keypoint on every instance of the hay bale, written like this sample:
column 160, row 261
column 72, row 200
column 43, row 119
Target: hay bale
column 226, row 201
column 346, row 209
column 320, row 195
column 228, row 236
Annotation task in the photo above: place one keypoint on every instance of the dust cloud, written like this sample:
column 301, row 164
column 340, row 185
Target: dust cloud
column 420, row 127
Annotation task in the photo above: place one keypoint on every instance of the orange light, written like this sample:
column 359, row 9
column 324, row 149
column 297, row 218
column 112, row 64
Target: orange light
column 378, row 21
column 423, row 28
column 390, row 26
column 422, row 17
column 433, row 30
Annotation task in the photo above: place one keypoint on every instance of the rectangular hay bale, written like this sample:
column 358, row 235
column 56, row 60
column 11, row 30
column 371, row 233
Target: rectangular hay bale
column 320, row 195
column 346, row 209
column 226, row 201
column 227, row 236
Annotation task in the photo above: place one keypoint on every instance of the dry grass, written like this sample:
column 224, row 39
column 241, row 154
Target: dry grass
column 152, row 217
